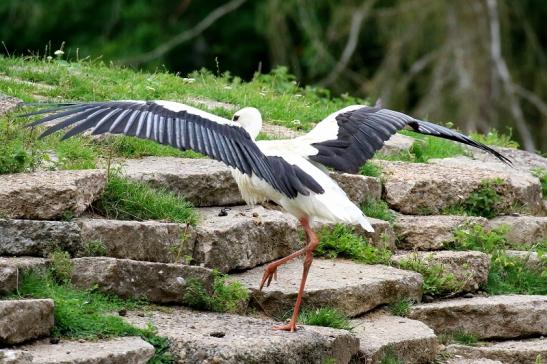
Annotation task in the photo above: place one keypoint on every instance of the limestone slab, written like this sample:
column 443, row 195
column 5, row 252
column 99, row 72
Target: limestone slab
column 507, row 352
column 351, row 288
column 23, row 320
column 12, row 269
column 122, row 350
column 155, row 282
column 358, row 188
column 469, row 268
column 38, row 237
column 49, row 195
column 8, row 103
column 429, row 188
column 504, row 316
column 409, row 340
column 429, row 232
column 201, row 337
column 523, row 229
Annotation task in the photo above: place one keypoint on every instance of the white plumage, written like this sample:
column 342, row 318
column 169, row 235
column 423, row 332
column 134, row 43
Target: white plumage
column 292, row 173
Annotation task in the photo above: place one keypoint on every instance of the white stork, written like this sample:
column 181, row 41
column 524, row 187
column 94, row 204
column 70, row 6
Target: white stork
column 290, row 173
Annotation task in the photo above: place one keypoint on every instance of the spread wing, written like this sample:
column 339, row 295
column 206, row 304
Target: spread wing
column 346, row 139
column 183, row 127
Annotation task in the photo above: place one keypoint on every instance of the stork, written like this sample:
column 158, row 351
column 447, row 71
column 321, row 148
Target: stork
column 291, row 173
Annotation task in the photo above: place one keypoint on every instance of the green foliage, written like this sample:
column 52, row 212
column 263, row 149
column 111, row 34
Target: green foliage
column 464, row 337
column 507, row 274
column 481, row 202
column 378, row 209
column 328, row 317
column 390, row 357
column 16, row 153
column 340, row 241
column 225, row 296
column 60, row 266
column 127, row 200
column 496, row 138
column 131, row 147
column 541, row 173
column 437, row 281
column 77, row 153
column 370, row 169
column 401, row 307
column 95, row 248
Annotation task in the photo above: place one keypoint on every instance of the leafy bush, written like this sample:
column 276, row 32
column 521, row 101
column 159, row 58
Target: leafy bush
column 328, row 317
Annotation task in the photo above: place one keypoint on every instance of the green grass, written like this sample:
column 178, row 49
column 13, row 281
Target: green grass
column 88, row 314
column 378, row 209
column 401, row 307
column 483, row 201
column 370, row 169
column 340, row 241
column 131, row 147
column 390, row 357
column 496, row 138
column 60, row 266
column 437, row 282
column 541, row 173
column 328, row 317
column 225, row 296
column 507, row 274
column 127, row 200
column 95, row 248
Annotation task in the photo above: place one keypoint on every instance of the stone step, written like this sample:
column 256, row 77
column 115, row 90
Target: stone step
column 11, row 270
column 380, row 334
column 458, row 360
column 469, row 268
column 204, row 337
column 522, row 229
column 154, row 282
column 430, row 232
column 531, row 259
column 507, row 352
column 504, row 316
column 206, row 182
column 122, row 350
column 23, row 320
column 429, row 188
column 349, row 287
column 49, row 195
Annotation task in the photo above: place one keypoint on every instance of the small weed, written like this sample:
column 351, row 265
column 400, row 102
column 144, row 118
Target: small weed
column 481, row 202
column 496, row 138
column 401, row 307
column 437, row 282
column 131, row 147
column 378, row 209
column 390, row 357
column 76, row 153
column 370, row 169
column 464, row 337
column 60, row 266
column 328, row 317
column 124, row 199
column 225, row 297
column 340, row 241
column 541, row 173
column 476, row 237
column 95, row 248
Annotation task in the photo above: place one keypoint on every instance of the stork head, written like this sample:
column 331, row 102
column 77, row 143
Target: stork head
column 250, row 119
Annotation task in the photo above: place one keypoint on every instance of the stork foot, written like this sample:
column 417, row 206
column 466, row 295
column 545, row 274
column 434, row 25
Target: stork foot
column 269, row 273
column 291, row 327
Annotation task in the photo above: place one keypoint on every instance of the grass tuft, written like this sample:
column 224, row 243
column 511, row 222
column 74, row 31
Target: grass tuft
column 401, row 307
column 60, row 266
column 390, row 357
column 496, row 138
column 437, row 281
column 464, row 337
column 127, row 200
column 225, row 296
column 328, row 317
column 95, row 248
column 370, row 169
column 481, row 202
column 378, row 209
column 340, row 241
column 541, row 173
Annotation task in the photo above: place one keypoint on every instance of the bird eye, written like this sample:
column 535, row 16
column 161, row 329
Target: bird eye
column 235, row 118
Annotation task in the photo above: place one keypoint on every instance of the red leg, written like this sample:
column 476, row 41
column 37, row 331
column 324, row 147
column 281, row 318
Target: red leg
column 271, row 269
column 313, row 242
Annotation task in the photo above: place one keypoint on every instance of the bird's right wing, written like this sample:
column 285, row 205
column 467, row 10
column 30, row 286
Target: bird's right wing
column 183, row 127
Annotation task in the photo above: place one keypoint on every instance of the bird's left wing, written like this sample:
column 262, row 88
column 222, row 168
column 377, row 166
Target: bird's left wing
column 183, row 127
column 346, row 139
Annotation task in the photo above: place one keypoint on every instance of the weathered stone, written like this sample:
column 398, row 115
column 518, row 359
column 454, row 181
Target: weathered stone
column 507, row 352
column 358, row 188
column 351, row 288
column 521, row 159
column 244, row 238
column 11, row 270
column 211, row 104
column 398, row 143
column 280, row 131
column 121, row 350
column 138, row 240
column 530, row 259
column 155, row 282
column 7, row 103
column 200, row 337
column 429, row 232
column 458, row 360
column 469, row 268
column 38, row 237
column 425, row 189
column 49, row 195
column 203, row 182
column 22, row 320
column 522, row 229
column 410, row 341
column 13, row 356
column 504, row 316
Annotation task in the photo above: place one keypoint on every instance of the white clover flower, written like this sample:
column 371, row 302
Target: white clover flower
column 58, row 53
